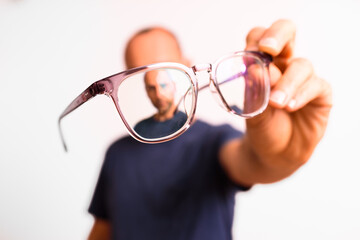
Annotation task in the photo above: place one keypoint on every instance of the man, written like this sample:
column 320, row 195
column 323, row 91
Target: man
column 184, row 189
column 161, row 89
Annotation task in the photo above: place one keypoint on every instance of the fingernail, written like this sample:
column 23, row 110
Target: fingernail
column 269, row 43
column 292, row 103
column 278, row 97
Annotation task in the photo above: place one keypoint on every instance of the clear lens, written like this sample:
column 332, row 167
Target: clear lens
column 156, row 103
column 243, row 84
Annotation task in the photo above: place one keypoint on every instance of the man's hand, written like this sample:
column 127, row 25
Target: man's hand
column 282, row 138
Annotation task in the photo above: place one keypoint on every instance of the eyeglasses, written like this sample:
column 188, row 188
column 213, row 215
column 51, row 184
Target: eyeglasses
column 157, row 102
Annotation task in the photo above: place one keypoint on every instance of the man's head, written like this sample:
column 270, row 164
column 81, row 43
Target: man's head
column 155, row 45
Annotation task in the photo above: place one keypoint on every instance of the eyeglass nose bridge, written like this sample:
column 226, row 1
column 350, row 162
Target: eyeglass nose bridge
column 202, row 67
column 208, row 68
column 212, row 86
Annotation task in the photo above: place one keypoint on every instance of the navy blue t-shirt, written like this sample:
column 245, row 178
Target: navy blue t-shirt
column 171, row 190
column 151, row 128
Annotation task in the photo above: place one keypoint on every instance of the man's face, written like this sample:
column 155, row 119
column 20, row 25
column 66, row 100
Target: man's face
column 153, row 47
column 160, row 89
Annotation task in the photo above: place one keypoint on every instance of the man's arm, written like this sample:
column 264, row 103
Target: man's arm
column 281, row 139
column 100, row 230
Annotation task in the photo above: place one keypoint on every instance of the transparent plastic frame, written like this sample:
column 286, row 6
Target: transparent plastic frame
column 109, row 86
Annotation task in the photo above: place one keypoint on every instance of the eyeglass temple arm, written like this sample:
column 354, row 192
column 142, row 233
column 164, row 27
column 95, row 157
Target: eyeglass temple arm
column 99, row 87
column 207, row 85
column 225, row 81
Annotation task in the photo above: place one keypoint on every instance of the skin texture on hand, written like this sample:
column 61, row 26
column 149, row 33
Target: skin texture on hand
column 283, row 138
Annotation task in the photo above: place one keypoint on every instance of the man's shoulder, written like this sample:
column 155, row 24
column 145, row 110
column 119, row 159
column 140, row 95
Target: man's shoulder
column 144, row 123
column 122, row 143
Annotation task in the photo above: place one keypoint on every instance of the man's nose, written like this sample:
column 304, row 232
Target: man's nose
column 159, row 92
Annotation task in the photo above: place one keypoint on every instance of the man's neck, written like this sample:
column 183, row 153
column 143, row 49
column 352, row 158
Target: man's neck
column 161, row 117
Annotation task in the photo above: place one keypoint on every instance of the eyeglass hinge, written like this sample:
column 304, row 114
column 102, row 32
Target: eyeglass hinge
column 98, row 88
column 93, row 90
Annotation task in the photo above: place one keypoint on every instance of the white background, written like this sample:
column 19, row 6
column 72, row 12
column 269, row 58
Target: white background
column 51, row 50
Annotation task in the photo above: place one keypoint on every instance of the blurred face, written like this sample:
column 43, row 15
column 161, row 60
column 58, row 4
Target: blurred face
column 155, row 46
column 161, row 89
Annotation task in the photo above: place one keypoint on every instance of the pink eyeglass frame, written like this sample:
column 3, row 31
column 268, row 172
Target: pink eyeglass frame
column 109, row 86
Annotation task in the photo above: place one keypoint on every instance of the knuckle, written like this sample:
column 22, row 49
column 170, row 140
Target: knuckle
column 327, row 90
column 286, row 22
column 303, row 63
column 255, row 34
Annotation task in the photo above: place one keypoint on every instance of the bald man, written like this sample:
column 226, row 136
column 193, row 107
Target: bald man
column 185, row 188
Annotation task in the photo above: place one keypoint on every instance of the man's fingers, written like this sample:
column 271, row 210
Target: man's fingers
column 253, row 38
column 297, row 73
column 315, row 90
column 275, row 74
column 278, row 39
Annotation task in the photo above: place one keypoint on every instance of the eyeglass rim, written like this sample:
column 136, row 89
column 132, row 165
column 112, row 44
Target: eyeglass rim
column 107, row 86
column 263, row 58
column 168, row 65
